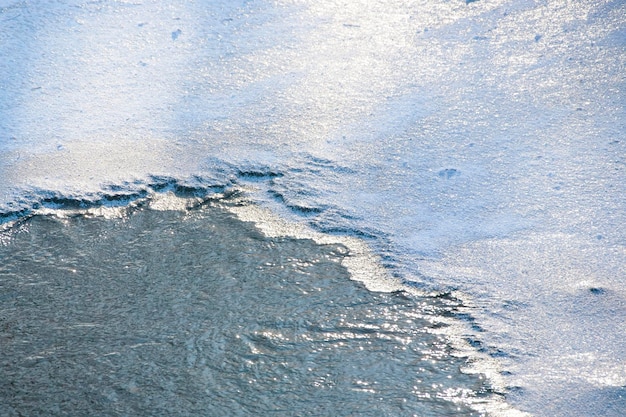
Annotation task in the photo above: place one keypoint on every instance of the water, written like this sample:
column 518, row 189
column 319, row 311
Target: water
column 477, row 148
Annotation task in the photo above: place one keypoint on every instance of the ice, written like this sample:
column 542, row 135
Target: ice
column 477, row 147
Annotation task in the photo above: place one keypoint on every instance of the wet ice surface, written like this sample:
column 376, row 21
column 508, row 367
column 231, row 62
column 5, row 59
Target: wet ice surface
column 197, row 313
column 477, row 146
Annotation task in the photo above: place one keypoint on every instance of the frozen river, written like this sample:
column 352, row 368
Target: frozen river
column 477, row 148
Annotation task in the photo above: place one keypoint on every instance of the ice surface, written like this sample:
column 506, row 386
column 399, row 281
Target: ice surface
column 478, row 147
column 195, row 313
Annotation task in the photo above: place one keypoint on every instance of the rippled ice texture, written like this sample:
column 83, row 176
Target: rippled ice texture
column 480, row 146
column 197, row 313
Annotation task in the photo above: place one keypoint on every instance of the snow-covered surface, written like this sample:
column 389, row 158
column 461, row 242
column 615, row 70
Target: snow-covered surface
column 479, row 147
